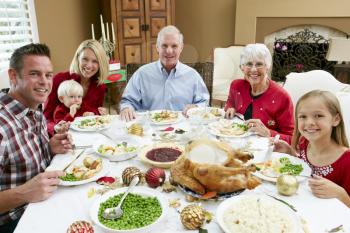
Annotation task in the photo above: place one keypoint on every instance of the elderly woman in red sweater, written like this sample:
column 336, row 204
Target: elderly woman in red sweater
column 266, row 106
column 89, row 67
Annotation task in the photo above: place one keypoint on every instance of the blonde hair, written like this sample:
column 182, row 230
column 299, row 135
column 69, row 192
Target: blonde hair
column 101, row 57
column 69, row 87
column 333, row 106
column 256, row 51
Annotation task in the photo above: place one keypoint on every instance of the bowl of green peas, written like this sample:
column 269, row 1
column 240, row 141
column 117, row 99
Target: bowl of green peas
column 143, row 209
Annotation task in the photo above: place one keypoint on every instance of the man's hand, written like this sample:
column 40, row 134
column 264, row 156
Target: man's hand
column 62, row 127
column 73, row 109
column 187, row 107
column 41, row 186
column 230, row 113
column 102, row 111
column 127, row 114
column 61, row 143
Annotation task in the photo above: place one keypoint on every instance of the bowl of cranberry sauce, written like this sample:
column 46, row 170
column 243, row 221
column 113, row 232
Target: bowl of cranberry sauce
column 161, row 155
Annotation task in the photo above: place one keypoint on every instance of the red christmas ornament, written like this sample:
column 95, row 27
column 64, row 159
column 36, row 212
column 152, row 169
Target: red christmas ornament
column 80, row 227
column 155, row 177
column 168, row 129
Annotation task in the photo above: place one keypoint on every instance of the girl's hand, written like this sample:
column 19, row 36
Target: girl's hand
column 324, row 188
column 258, row 127
column 282, row 147
column 102, row 111
column 230, row 113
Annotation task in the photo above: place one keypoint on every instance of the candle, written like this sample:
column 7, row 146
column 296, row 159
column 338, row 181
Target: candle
column 103, row 29
column 93, row 31
column 107, row 31
column 113, row 36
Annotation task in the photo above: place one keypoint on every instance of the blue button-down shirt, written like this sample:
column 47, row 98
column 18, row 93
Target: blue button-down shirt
column 152, row 88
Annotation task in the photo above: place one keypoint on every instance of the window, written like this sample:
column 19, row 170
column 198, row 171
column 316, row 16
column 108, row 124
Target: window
column 17, row 27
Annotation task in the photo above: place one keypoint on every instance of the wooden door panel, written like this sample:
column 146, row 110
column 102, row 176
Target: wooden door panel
column 130, row 5
column 131, row 27
column 133, row 53
column 157, row 23
column 158, row 5
column 154, row 52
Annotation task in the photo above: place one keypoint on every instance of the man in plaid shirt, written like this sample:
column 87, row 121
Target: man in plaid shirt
column 25, row 148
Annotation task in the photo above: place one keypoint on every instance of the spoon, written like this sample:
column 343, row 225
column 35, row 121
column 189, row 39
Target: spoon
column 117, row 212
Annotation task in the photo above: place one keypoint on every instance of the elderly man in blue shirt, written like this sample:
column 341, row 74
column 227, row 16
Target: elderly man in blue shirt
column 166, row 83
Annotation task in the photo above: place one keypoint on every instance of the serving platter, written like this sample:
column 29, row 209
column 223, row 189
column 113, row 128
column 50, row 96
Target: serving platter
column 91, row 123
column 265, row 172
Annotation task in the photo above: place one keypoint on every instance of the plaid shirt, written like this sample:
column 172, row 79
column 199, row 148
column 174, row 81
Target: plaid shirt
column 24, row 147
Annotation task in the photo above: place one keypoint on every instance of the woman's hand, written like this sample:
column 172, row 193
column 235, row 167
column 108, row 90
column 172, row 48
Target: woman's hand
column 258, row 127
column 324, row 188
column 230, row 113
column 102, row 111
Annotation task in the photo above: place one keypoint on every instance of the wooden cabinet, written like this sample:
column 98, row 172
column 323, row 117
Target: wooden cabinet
column 138, row 23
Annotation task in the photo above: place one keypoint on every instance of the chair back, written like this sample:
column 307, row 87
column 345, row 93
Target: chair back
column 298, row 84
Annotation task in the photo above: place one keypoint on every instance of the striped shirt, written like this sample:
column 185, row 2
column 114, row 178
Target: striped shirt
column 24, row 147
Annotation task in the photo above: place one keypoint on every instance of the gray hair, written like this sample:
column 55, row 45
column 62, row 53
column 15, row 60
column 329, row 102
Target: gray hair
column 252, row 52
column 69, row 87
column 170, row 29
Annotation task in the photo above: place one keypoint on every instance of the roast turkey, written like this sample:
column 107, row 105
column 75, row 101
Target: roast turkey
column 213, row 166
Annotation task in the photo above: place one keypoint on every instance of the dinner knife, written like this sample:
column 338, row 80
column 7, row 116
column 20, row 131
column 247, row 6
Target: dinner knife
column 76, row 158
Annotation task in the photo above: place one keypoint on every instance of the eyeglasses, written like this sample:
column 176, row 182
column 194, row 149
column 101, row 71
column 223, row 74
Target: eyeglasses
column 257, row 65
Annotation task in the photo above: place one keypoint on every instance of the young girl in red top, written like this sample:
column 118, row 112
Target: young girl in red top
column 319, row 139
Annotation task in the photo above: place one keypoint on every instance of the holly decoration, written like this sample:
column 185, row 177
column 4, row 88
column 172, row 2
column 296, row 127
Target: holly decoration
column 155, row 177
column 192, row 217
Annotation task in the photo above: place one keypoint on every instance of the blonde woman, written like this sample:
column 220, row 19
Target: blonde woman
column 89, row 67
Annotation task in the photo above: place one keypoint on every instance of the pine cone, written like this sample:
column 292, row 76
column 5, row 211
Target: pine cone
column 192, row 217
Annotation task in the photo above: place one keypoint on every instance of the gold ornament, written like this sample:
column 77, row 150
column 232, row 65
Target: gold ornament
column 136, row 129
column 192, row 217
column 129, row 173
column 287, row 185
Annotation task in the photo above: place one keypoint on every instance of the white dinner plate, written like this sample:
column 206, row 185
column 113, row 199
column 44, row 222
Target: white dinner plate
column 115, row 157
column 102, row 172
column 75, row 125
column 294, row 160
column 205, row 115
column 215, row 127
column 165, row 122
column 229, row 204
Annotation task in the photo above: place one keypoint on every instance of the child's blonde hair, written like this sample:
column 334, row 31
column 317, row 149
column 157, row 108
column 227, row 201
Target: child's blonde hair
column 69, row 87
column 333, row 106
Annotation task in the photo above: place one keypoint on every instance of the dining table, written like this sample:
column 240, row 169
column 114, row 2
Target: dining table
column 73, row 203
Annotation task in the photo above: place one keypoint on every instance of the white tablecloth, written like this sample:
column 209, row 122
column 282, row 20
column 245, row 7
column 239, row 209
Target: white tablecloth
column 70, row 204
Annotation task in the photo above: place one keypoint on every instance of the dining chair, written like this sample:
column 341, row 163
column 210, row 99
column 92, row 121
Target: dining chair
column 226, row 69
column 205, row 69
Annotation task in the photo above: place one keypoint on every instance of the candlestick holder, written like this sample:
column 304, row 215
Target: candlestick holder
column 108, row 46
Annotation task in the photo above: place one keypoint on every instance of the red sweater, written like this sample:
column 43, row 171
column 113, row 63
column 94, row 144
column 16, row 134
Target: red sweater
column 62, row 112
column 337, row 172
column 274, row 107
column 93, row 98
